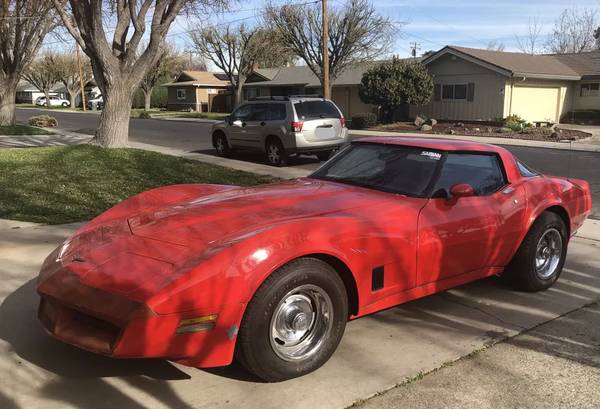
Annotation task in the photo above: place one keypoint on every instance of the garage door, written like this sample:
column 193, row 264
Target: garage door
column 536, row 103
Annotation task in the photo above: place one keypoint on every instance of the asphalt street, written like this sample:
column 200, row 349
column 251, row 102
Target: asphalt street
column 195, row 137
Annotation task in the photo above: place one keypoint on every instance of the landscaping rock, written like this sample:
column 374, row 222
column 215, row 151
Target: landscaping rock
column 452, row 132
column 476, row 130
column 553, row 135
column 419, row 121
column 426, row 128
column 489, row 130
column 504, row 130
column 459, row 125
column 432, row 122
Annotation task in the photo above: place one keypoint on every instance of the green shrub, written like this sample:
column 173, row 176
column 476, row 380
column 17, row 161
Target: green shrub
column 363, row 120
column 43, row 121
column 145, row 115
column 516, row 123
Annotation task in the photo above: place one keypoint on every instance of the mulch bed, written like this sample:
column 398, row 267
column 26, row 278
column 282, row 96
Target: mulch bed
column 474, row 129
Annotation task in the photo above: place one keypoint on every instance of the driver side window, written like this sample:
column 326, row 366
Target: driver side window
column 482, row 172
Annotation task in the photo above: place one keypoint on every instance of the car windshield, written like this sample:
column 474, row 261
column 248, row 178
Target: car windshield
column 316, row 109
column 389, row 168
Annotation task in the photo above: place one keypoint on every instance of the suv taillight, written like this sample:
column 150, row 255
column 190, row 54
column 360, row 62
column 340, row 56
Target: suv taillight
column 297, row 126
column 343, row 121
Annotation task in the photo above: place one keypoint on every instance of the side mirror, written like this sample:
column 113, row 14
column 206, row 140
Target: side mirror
column 461, row 190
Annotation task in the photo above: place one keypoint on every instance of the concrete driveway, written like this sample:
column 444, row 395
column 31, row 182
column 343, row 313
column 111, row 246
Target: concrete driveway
column 377, row 352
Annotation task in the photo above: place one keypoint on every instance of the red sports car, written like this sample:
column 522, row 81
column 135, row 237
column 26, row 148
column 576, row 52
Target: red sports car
column 199, row 274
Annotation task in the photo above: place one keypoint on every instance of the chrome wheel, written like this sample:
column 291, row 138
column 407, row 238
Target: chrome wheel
column 220, row 144
column 301, row 323
column 548, row 253
column 273, row 153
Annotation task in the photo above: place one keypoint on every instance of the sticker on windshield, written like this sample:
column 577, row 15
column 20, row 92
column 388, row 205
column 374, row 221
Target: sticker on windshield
column 432, row 155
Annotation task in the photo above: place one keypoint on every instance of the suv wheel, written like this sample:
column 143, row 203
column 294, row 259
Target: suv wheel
column 221, row 145
column 276, row 154
column 64, row 104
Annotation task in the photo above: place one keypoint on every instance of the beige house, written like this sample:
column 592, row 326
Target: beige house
column 264, row 82
column 475, row 84
column 200, row 91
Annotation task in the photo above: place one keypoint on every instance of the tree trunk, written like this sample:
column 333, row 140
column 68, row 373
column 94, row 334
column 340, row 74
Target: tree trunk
column 325, row 91
column 114, row 120
column 72, row 97
column 47, row 95
column 8, row 94
column 239, row 95
column 147, row 98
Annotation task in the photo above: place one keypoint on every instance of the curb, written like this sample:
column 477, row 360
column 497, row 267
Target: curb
column 567, row 146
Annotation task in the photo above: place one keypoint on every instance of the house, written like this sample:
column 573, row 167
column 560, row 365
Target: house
column 200, row 91
column 300, row 80
column 27, row 93
column 476, row 84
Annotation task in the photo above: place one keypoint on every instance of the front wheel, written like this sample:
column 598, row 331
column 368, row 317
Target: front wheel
column 539, row 260
column 65, row 104
column 221, row 145
column 294, row 322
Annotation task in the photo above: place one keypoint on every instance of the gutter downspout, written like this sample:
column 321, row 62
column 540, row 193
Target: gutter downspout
column 512, row 85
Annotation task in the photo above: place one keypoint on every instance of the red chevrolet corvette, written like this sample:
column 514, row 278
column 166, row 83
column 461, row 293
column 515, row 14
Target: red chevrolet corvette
column 199, row 274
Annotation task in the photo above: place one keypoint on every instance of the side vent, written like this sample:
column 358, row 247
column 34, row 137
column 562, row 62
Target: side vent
column 377, row 278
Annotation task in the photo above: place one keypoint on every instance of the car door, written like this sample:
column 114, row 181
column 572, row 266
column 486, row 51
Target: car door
column 236, row 130
column 460, row 235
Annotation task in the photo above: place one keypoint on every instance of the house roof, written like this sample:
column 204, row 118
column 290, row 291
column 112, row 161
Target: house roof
column 550, row 66
column 200, row 78
column 26, row 86
column 303, row 76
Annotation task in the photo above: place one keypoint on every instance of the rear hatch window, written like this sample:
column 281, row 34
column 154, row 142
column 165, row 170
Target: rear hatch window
column 307, row 110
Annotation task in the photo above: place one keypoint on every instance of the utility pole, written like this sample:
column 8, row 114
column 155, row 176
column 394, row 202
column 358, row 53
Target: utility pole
column 81, row 85
column 414, row 48
column 326, row 87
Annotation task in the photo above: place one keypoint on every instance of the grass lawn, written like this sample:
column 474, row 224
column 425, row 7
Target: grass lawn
column 75, row 183
column 19, row 129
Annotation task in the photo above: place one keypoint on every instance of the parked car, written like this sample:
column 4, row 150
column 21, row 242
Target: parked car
column 96, row 103
column 281, row 126
column 201, row 274
column 54, row 102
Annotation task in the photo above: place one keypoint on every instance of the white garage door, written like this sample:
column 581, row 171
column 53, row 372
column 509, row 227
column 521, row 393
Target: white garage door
column 536, row 103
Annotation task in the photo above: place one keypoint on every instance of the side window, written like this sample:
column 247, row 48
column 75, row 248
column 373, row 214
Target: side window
column 277, row 112
column 482, row 172
column 242, row 113
column 525, row 170
column 260, row 112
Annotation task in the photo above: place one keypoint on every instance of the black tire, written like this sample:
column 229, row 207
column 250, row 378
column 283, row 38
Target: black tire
column 323, row 156
column 522, row 272
column 221, row 145
column 256, row 347
column 64, row 104
column 276, row 154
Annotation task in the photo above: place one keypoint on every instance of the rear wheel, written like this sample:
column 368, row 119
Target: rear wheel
column 323, row 156
column 65, row 104
column 221, row 145
column 294, row 322
column 276, row 154
column 540, row 258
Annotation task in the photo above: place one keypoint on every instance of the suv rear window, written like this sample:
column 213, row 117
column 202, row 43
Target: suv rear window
column 316, row 109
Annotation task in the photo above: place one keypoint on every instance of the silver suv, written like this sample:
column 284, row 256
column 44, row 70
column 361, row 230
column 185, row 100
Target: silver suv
column 283, row 126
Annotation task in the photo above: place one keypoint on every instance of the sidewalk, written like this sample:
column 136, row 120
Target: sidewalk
column 377, row 352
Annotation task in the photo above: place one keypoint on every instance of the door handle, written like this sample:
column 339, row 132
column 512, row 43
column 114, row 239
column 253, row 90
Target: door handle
column 263, row 123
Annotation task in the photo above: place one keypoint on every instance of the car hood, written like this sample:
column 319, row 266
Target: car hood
column 226, row 215
column 137, row 255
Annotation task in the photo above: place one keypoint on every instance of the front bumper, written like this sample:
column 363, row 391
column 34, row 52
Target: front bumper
column 115, row 326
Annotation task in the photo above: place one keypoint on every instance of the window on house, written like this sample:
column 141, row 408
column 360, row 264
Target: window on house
column 465, row 92
column 181, row 94
column 591, row 89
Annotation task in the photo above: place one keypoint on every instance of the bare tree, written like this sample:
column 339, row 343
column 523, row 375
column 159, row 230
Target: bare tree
column 42, row 73
column 235, row 50
column 169, row 64
column 68, row 73
column 530, row 42
column 357, row 33
column 573, row 31
column 117, row 61
column 23, row 26
column 495, row 45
